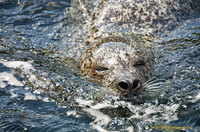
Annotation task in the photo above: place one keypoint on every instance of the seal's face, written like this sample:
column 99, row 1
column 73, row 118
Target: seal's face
column 123, row 67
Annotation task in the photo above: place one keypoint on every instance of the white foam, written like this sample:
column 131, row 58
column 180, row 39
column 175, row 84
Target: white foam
column 97, row 106
column 10, row 79
column 198, row 96
column 84, row 102
column 13, row 93
column 45, row 99
column 2, row 84
column 26, row 67
column 168, row 111
column 30, row 96
column 195, row 98
column 101, row 119
column 73, row 113
column 18, row 64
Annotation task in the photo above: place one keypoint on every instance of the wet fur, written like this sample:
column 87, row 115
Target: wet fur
column 134, row 23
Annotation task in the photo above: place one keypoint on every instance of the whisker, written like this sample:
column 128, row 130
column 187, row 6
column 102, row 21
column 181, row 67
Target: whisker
column 154, row 89
column 150, row 80
column 157, row 80
column 157, row 84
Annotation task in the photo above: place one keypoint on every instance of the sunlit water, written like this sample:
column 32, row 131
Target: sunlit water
column 41, row 88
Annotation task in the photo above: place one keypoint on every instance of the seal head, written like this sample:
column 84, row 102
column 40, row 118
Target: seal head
column 118, row 63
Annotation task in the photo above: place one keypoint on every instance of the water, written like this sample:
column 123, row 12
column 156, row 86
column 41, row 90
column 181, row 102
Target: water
column 41, row 88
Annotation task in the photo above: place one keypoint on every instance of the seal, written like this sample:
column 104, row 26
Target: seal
column 118, row 50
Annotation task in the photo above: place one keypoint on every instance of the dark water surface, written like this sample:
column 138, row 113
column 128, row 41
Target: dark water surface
column 42, row 90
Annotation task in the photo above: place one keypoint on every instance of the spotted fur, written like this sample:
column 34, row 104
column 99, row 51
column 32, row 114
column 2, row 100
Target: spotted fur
column 120, row 35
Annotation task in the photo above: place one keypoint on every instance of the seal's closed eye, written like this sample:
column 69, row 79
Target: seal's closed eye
column 101, row 69
column 139, row 64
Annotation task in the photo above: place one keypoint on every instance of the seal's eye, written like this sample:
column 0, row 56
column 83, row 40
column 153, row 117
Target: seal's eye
column 101, row 69
column 139, row 64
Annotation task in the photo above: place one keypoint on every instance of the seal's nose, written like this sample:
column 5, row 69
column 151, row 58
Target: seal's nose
column 130, row 85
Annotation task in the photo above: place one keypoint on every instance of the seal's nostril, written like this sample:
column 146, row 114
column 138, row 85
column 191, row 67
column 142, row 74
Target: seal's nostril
column 127, row 85
column 123, row 85
column 135, row 84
